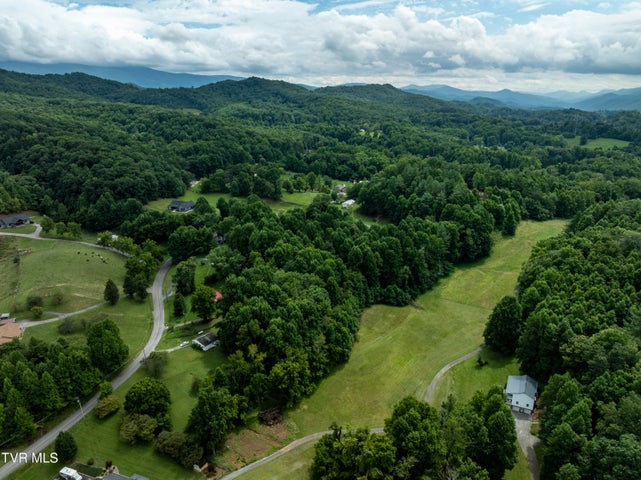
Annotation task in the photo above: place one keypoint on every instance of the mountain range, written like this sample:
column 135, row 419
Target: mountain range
column 624, row 99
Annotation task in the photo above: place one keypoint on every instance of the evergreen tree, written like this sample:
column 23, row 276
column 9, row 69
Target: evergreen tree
column 111, row 294
column 180, row 308
column 65, row 447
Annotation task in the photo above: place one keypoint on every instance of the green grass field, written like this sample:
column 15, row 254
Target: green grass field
column 133, row 318
column 39, row 267
column 401, row 349
column 604, row 143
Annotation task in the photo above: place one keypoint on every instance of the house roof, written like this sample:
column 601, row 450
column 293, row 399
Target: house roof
column 115, row 476
column 11, row 220
column 206, row 341
column 521, row 384
column 181, row 203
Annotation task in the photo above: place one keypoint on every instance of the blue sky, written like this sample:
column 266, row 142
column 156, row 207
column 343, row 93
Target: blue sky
column 527, row 45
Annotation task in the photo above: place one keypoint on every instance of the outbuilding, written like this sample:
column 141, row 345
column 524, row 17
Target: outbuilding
column 206, row 342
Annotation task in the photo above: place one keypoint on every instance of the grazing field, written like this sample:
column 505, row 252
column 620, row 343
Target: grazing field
column 46, row 268
column 134, row 319
column 467, row 377
column 400, row 349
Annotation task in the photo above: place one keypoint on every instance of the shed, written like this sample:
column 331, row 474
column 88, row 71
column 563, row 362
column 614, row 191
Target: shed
column 206, row 342
column 348, row 203
column 521, row 393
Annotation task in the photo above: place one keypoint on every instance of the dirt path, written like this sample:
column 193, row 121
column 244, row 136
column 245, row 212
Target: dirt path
column 316, row 436
column 443, row 371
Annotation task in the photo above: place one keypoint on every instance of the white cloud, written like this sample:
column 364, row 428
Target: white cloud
column 291, row 39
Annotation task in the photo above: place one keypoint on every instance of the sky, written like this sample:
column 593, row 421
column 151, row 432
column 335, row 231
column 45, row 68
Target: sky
column 526, row 45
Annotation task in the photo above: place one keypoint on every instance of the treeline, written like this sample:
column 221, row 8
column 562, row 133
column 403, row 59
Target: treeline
column 85, row 157
column 40, row 379
column 475, row 440
column 577, row 329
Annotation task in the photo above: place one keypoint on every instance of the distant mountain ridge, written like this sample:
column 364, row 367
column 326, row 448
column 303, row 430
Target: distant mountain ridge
column 147, row 78
column 141, row 76
column 625, row 99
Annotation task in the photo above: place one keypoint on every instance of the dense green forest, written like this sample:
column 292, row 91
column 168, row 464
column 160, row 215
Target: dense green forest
column 576, row 327
column 442, row 177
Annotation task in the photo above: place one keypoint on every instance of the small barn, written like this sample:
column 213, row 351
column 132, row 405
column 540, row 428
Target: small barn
column 206, row 342
column 521, row 393
column 181, row 206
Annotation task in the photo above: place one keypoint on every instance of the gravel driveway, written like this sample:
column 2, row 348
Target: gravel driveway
column 527, row 441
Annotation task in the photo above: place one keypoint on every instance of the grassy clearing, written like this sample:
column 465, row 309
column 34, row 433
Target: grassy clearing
column 292, row 466
column 43, row 268
column 401, row 349
column 134, row 319
column 604, row 143
column 467, row 377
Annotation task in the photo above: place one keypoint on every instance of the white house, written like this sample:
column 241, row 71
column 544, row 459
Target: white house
column 348, row 203
column 521, row 393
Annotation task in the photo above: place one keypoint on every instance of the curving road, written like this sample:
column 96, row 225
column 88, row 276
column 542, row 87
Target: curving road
column 443, row 371
column 316, row 436
column 156, row 334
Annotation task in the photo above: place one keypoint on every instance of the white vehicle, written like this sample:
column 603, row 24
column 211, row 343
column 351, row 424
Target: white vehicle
column 184, row 344
column 69, row 474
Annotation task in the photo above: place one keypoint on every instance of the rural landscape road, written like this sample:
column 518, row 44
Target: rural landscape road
column 156, row 334
column 526, row 439
column 316, row 436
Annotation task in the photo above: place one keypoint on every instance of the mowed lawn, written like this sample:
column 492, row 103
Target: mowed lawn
column 44, row 267
column 400, row 349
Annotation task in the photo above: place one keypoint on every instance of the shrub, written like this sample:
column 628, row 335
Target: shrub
column 65, row 447
column 108, row 406
column 34, row 301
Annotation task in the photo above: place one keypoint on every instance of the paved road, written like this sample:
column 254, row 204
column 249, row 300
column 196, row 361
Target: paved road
column 156, row 334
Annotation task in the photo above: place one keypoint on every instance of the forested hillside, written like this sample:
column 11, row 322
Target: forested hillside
column 443, row 178
column 577, row 328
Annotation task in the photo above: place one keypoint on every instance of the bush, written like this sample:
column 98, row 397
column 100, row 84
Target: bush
column 65, row 447
column 137, row 427
column 34, row 301
column 108, row 406
column 106, row 389
column 37, row 312
column 155, row 363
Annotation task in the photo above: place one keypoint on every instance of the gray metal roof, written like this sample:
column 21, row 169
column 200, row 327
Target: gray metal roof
column 521, row 384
